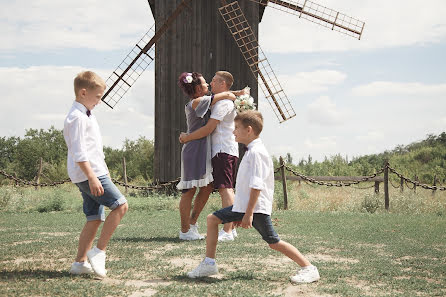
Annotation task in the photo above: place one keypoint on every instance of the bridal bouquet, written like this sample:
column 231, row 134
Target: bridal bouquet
column 245, row 101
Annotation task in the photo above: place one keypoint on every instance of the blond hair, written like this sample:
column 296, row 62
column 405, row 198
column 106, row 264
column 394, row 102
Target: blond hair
column 87, row 80
column 226, row 77
column 251, row 118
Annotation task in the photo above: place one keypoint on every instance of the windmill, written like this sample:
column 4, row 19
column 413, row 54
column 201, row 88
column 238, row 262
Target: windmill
column 206, row 36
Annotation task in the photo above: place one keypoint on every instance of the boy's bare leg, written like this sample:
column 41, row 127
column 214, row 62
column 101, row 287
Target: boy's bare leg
column 86, row 239
column 200, row 202
column 185, row 206
column 111, row 222
column 212, row 235
column 227, row 199
column 291, row 252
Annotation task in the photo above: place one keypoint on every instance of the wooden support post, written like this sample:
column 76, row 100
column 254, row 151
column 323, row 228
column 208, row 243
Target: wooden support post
column 285, row 194
column 414, row 185
column 377, row 187
column 39, row 173
column 386, row 186
column 434, row 184
column 402, row 184
column 124, row 169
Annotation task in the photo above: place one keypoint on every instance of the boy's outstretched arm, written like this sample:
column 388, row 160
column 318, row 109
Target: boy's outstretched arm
column 199, row 133
column 247, row 218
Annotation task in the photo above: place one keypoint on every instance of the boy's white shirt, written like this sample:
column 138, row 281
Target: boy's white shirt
column 83, row 138
column 256, row 171
column 222, row 138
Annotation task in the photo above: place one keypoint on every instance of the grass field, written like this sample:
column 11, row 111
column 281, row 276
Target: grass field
column 358, row 253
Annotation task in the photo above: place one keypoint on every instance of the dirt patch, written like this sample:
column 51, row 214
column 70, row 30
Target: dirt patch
column 307, row 290
column 330, row 258
column 55, row 233
column 146, row 292
column 25, row 242
column 189, row 263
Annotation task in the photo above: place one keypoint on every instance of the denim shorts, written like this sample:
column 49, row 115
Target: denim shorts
column 94, row 206
column 261, row 222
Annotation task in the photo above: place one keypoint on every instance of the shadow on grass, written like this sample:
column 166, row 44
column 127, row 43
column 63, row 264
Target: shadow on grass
column 230, row 277
column 148, row 239
column 32, row 274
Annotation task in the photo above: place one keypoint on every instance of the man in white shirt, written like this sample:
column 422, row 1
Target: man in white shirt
column 253, row 202
column 224, row 147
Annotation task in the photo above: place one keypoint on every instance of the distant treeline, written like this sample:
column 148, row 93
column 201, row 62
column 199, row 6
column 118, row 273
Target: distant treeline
column 425, row 159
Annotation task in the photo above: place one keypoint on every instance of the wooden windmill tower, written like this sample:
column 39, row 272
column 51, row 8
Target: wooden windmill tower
column 206, row 36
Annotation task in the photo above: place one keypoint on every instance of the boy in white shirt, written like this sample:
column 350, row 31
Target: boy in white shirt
column 253, row 202
column 87, row 169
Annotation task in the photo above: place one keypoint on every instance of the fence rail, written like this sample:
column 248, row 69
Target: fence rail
column 329, row 181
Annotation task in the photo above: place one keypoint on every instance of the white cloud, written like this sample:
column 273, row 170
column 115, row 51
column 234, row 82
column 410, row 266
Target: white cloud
column 48, row 25
column 40, row 97
column 311, row 82
column 379, row 88
column 323, row 111
column 387, row 24
column 371, row 136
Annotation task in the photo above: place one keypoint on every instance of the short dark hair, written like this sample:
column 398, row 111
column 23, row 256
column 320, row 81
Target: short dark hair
column 251, row 118
column 189, row 88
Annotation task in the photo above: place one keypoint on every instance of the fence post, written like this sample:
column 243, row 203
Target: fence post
column 39, row 172
column 414, row 185
column 402, row 185
column 124, row 167
column 435, row 184
column 285, row 194
column 386, row 186
column 376, row 187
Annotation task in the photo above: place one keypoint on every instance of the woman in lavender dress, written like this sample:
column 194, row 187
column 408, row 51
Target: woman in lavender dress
column 196, row 168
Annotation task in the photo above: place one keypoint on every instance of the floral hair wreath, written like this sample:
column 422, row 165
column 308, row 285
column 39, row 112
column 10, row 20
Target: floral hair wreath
column 188, row 79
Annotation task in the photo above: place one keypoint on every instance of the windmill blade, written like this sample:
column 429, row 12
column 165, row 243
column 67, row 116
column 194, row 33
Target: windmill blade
column 246, row 41
column 318, row 14
column 134, row 64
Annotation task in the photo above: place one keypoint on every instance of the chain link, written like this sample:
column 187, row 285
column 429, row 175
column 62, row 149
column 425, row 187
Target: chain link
column 415, row 183
column 30, row 183
column 53, row 184
column 341, row 184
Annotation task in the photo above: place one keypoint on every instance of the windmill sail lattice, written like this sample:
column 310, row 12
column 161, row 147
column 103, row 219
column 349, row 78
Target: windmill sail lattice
column 318, row 14
column 256, row 60
column 141, row 56
column 130, row 69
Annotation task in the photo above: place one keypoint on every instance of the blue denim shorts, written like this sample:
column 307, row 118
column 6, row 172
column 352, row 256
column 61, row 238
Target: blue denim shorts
column 94, row 206
column 261, row 222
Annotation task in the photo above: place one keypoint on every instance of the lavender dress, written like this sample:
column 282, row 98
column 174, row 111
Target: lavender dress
column 196, row 168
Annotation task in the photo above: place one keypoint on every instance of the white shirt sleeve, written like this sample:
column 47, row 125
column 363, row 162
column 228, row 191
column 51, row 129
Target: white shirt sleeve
column 221, row 109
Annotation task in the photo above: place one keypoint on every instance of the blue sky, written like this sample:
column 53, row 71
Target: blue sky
column 351, row 97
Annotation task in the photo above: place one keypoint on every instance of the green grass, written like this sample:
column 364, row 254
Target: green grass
column 358, row 254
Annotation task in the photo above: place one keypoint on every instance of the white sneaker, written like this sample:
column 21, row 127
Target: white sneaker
column 190, row 235
column 223, row 236
column 203, row 270
column 81, row 268
column 307, row 274
column 234, row 233
column 97, row 260
column 194, row 229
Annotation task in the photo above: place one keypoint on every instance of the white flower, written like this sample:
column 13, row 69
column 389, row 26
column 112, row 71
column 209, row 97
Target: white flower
column 244, row 102
column 189, row 79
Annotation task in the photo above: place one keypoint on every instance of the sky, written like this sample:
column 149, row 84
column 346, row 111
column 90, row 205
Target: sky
column 351, row 97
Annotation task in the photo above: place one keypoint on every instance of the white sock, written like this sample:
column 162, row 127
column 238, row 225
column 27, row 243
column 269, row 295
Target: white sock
column 79, row 263
column 209, row 261
column 98, row 250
